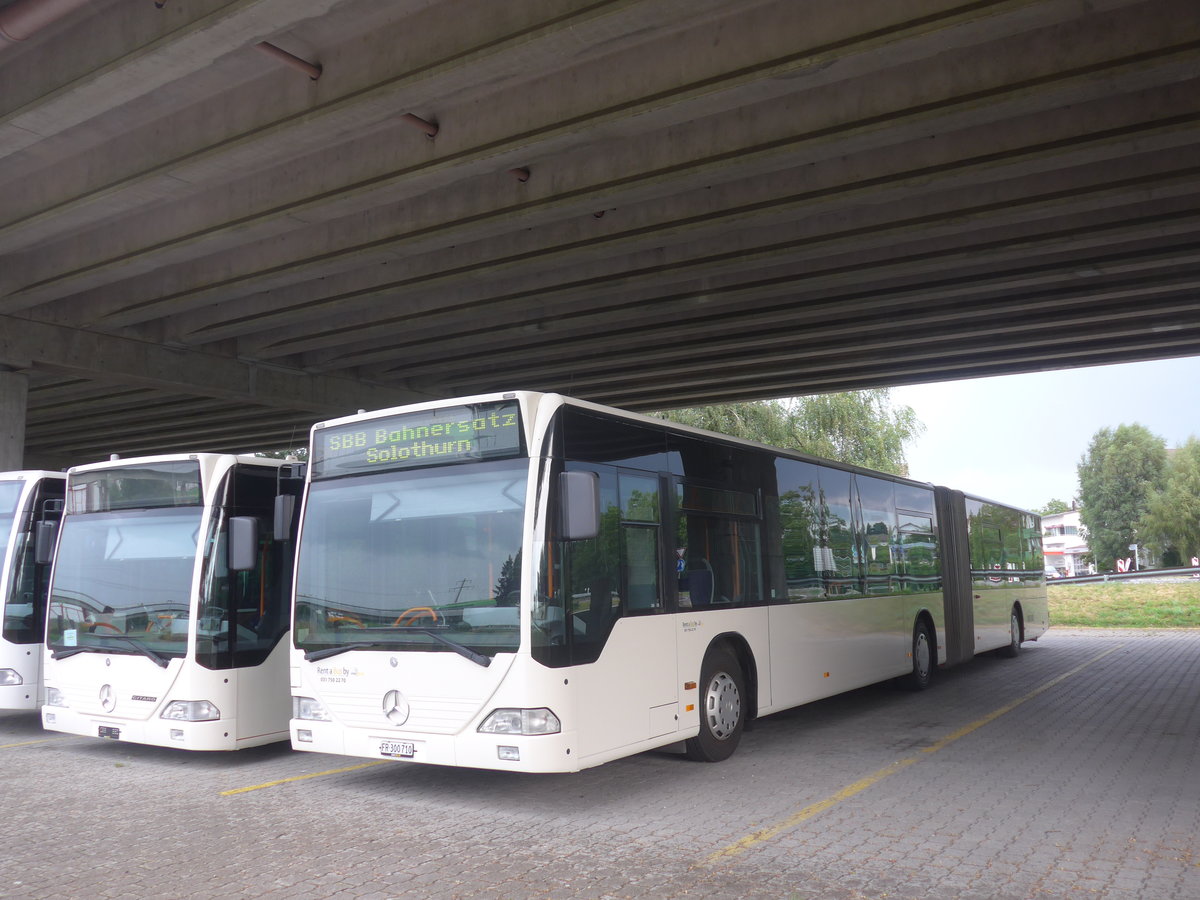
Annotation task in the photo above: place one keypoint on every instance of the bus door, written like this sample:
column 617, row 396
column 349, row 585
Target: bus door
column 244, row 613
column 622, row 643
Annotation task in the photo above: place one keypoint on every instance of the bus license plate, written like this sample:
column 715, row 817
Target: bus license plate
column 110, row 731
column 402, row 749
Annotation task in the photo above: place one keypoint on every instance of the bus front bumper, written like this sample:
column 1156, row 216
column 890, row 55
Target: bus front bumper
column 505, row 752
column 215, row 735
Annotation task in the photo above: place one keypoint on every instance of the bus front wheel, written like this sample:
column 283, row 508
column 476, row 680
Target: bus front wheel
column 1013, row 649
column 722, row 708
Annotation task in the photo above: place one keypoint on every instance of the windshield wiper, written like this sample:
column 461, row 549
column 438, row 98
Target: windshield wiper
column 477, row 658
column 311, row 655
column 132, row 645
column 64, row 652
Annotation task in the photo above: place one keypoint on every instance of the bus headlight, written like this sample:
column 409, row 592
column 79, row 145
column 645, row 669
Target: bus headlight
column 191, row 711
column 54, row 697
column 10, row 677
column 521, row 721
column 308, row 708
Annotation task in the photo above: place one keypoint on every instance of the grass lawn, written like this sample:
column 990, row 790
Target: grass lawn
column 1125, row 605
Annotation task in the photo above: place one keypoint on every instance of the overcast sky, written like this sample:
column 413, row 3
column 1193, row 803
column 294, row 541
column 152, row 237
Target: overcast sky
column 1018, row 438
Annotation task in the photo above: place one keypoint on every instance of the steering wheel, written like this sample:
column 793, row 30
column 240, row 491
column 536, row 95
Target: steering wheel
column 163, row 624
column 411, row 616
column 92, row 626
column 345, row 620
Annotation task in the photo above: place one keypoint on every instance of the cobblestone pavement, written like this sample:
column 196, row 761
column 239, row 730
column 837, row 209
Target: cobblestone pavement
column 1068, row 772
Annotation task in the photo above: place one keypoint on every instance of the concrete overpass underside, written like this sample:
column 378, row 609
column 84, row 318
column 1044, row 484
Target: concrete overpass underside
column 650, row 203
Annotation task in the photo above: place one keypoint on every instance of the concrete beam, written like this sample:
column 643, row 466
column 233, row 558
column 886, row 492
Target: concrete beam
column 167, row 47
column 868, row 243
column 46, row 280
column 28, row 345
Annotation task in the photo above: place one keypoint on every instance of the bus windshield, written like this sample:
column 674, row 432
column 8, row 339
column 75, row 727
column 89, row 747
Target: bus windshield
column 423, row 560
column 10, row 495
column 125, row 578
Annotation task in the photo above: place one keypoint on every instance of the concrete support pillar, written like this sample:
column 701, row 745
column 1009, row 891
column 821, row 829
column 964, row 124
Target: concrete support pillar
column 14, row 399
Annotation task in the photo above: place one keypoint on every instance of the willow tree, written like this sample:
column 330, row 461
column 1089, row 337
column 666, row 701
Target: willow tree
column 859, row 427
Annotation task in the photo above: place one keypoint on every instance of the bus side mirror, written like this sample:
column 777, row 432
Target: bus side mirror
column 45, row 535
column 285, row 506
column 243, row 543
column 580, row 493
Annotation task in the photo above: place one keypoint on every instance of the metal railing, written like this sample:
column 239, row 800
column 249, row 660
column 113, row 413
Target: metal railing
column 1177, row 574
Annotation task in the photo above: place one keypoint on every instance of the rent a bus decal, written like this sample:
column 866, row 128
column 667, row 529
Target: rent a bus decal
column 433, row 437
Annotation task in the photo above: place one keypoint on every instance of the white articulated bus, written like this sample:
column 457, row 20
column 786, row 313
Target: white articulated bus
column 168, row 605
column 27, row 498
column 528, row 582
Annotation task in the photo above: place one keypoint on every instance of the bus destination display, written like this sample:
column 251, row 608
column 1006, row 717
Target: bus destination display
column 433, row 437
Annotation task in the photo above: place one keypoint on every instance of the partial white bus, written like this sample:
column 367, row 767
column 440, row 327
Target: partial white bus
column 528, row 582
column 26, row 499
column 168, row 606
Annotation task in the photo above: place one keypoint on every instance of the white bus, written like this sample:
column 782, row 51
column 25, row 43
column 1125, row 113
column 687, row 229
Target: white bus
column 26, row 499
column 168, row 605
column 528, row 582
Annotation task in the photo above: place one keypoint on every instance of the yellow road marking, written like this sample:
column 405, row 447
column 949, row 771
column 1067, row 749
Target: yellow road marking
column 813, row 809
column 29, row 743
column 267, row 784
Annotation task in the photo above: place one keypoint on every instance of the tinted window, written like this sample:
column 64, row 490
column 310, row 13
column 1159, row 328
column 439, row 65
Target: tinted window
column 588, row 437
column 996, row 542
column 877, row 507
column 840, row 567
column 919, row 563
column 799, row 517
column 914, row 497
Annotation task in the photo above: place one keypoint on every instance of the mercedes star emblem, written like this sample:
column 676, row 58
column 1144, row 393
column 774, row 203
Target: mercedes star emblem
column 395, row 707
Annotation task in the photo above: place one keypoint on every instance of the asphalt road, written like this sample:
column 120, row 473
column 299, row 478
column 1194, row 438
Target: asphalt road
column 1070, row 771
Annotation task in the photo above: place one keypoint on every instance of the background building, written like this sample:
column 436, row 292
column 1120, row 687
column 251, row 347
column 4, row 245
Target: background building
column 1064, row 541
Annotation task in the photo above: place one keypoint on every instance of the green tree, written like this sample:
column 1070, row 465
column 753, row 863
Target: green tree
column 1172, row 520
column 1053, row 506
column 1120, row 470
column 508, row 587
column 860, row 427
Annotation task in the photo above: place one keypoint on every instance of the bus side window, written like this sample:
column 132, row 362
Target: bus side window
column 641, row 512
column 717, row 541
column 640, row 550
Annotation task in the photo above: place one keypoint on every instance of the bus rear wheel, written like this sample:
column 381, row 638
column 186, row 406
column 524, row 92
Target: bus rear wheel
column 722, row 709
column 923, row 658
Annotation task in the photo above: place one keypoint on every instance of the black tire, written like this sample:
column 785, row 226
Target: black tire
column 924, row 658
column 1014, row 631
column 722, row 707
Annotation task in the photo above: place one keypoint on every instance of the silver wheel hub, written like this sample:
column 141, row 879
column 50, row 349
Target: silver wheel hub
column 921, row 654
column 722, row 706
